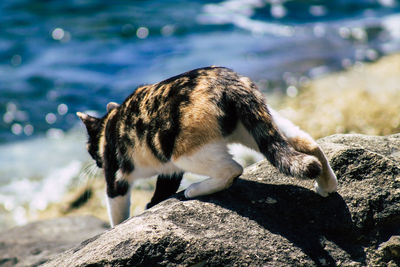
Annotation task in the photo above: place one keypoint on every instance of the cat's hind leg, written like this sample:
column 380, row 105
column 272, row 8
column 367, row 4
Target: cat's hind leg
column 212, row 160
column 166, row 186
column 301, row 141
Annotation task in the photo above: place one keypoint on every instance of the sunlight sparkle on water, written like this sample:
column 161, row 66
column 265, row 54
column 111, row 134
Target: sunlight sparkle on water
column 11, row 107
column 16, row 129
column 8, row 117
column 167, row 30
column 51, row 118
column 388, row 3
column 372, row 54
column 344, row 32
column 28, row 129
column 58, row 34
column 142, row 32
column 318, row 11
column 278, row 11
column 62, row 109
column 359, row 33
column 292, row 91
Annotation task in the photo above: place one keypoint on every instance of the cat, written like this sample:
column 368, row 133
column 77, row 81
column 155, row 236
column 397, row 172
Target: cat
column 183, row 124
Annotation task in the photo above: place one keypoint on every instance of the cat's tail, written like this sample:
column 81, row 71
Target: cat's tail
column 273, row 145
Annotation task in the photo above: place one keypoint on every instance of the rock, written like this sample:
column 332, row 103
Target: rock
column 268, row 219
column 391, row 248
column 35, row 243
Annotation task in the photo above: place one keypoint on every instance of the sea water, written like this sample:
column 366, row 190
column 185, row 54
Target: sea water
column 60, row 57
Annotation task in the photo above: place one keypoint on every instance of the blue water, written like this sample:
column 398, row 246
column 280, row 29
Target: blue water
column 59, row 57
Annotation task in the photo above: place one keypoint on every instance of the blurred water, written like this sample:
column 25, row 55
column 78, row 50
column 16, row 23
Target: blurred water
column 59, row 57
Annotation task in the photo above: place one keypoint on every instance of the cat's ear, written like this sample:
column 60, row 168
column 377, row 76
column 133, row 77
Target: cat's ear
column 90, row 122
column 111, row 106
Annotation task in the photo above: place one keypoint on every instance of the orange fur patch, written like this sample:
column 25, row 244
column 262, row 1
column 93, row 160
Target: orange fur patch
column 303, row 145
column 198, row 123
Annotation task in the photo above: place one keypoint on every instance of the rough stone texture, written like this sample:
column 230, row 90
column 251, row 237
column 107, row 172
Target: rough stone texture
column 391, row 248
column 268, row 219
column 35, row 243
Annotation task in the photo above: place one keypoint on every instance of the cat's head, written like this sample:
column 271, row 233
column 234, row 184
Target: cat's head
column 94, row 127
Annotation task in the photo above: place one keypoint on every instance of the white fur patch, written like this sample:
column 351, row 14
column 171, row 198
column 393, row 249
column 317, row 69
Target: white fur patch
column 214, row 161
column 241, row 136
column 118, row 208
column 327, row 182
column 287, row 127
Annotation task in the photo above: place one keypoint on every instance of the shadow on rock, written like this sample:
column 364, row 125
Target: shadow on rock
column 298, row 214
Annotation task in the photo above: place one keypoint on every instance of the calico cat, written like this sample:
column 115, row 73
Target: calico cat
column 183, row 124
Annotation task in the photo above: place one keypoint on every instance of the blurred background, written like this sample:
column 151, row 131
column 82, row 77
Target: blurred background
column 60, row 57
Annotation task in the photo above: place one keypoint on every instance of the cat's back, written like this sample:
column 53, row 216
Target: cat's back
column 186, row 111
column 209, row 80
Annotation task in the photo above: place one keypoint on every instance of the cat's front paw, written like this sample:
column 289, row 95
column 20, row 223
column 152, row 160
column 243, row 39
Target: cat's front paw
column 189, row 192
column 193, row 190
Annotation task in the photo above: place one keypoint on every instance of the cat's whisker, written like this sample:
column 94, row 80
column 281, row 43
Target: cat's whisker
column 89, row 171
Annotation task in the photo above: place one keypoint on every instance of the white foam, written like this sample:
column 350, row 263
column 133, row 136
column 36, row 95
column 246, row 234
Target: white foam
column 37, row 172
column 392, row 25
column 239, row 12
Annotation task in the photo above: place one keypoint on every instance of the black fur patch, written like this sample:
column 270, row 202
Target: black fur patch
column 169, row 133
column 152, row 146
column 126, row 141
column 140, row 128
column 111, row 165
column 167, row 140
column 228, row 121
column 155, row 105
column 94, row 128
column 133, row 109
column 126, row 166
column 166, row 186
column 314, row 170
column 120, row 188
column 166, row 119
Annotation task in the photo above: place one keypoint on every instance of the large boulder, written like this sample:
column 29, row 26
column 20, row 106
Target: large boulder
column 35, row 243
column 269, row 219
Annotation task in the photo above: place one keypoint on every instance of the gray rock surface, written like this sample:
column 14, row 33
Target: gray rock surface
column 35, row 243
column 268, row 219
column 391, row 248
